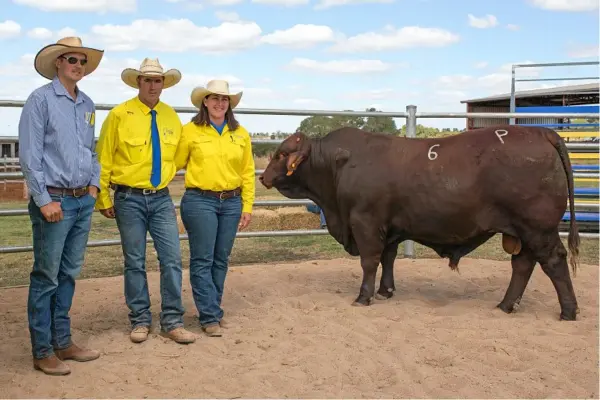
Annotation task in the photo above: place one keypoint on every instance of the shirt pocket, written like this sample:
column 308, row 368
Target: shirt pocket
column 169, row 146
column 136, row 149
column 204, row 148
column 235, row 151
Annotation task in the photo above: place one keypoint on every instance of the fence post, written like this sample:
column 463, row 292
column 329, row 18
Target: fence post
column 411, row 132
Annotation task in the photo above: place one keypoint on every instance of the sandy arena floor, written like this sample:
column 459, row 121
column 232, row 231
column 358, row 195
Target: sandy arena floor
column 295, row 334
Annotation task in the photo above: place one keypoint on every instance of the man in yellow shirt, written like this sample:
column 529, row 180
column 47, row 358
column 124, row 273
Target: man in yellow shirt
column 216, row 152
column 136, row 150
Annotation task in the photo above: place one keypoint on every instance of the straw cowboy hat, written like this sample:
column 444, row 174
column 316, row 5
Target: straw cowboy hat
column 150, row 67
column 215, row 86
column 45, row 58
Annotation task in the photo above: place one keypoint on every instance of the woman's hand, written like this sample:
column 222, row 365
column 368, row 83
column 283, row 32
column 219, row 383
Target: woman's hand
column 244, row 220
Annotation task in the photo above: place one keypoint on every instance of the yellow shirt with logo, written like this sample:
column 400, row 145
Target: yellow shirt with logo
column 217, row 162
column 125, row 147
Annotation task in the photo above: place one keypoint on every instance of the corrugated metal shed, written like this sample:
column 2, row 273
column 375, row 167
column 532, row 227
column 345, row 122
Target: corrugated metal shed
column 557, row 96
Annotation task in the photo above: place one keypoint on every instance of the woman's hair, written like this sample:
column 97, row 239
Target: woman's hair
column 202, row 118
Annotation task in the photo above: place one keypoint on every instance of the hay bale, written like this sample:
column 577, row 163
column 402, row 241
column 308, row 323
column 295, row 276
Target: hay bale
column 264, row 220
column 297, row 218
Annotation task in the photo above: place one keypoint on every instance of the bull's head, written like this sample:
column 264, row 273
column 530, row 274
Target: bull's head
column 286, row 160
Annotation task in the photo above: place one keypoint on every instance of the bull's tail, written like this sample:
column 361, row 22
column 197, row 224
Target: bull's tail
column 573, row 239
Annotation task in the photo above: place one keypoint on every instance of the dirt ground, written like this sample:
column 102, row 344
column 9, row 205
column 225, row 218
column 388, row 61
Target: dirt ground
column 295, row 334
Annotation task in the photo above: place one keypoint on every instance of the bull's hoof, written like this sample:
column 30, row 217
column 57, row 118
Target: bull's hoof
column 384, row 294
column 507, row 308
column 362, row 302
column 569, row 314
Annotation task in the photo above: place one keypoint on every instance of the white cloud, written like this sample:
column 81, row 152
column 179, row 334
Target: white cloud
column 9, row 29
column 99, row 6
column 300, row 36
column 464, row 85
column 489, row 21
column 286, row 3
column 227, row 16
column 177, row 35
column 512, row 27
column 584, row 51
column 323, row 4
column 40, row 33
column 373, row 94
column 308, row 102
column 340, row 66
column 566, row 5
column 396, row 39
column 481, row 64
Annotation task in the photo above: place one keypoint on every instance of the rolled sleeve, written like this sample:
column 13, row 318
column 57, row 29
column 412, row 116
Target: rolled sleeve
column 31, row 145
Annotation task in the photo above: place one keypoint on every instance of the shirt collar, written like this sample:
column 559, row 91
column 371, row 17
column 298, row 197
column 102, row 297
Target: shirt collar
column 60, row 90
column 145, row 109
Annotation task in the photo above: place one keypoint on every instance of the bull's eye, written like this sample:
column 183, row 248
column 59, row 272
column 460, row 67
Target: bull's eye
column 282, row 155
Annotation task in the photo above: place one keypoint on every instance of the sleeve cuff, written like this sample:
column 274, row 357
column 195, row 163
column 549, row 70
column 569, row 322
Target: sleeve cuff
column 41, row 200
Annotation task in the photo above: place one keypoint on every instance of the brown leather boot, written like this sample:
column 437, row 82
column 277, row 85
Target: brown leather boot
column 51, row 366
column 76, row 353
column 180, row 335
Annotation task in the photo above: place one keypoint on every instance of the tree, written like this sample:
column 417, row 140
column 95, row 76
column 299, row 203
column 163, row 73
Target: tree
column 319, row 126
column 380, row 124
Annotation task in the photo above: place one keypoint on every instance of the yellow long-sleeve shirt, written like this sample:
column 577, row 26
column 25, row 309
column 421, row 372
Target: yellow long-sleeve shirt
column 125, row 147
column 217, row 162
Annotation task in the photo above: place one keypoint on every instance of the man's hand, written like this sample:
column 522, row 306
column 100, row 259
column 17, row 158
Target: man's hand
column 93, row 191
column 52, row 211
column 108, row 212
column 244, row 220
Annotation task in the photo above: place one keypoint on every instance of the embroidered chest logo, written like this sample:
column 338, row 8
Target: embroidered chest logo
column 90, row 118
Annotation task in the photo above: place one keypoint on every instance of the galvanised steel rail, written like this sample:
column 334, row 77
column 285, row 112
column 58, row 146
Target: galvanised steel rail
column 410, row 114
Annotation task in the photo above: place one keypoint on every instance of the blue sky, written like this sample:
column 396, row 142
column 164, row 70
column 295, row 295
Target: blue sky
column 309, row 54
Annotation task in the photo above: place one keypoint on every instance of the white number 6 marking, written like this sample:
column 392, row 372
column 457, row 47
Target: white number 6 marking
column 429, row 153
column 500, row 133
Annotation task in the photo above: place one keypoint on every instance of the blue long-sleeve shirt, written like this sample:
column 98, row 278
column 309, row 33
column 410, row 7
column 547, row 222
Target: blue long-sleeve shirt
column 57, row 141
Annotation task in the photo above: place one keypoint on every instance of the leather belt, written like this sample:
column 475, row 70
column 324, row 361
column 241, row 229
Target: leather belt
column 144, row 192
column 226, row 194
column 77, row 192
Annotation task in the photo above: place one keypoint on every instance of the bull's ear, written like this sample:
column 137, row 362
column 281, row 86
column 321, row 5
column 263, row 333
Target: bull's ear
column 293, row 161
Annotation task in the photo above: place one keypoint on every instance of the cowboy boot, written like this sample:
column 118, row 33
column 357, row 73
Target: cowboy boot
column 51, row 365
column 74, row 352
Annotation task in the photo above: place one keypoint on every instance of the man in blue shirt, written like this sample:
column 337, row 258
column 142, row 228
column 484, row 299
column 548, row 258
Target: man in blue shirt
column 60, row 167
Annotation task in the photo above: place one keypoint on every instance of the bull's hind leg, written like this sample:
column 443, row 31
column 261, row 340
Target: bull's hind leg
column 522, row 267
column 386, row 284
column 552, row 256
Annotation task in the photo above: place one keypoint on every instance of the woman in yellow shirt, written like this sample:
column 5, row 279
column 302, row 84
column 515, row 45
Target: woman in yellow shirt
column 216, row 152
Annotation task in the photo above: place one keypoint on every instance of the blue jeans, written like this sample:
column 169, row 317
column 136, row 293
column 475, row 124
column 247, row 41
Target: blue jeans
column 211, row 225
column 58, row 253
column 137, row 214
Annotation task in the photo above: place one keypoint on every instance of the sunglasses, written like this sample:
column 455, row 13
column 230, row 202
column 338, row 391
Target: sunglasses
column 73, row 60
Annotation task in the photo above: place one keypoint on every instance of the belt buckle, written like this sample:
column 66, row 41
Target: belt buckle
column 79, row 190
column 221, row 196
column 146, row 192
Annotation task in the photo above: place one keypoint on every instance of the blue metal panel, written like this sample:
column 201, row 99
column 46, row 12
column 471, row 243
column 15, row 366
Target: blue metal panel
column 559, row 109
column 562, row 125
column 587, row 192
column 582, row 167
column 583, row 217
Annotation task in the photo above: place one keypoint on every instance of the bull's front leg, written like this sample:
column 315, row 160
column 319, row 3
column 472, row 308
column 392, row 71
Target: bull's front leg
column 367, row 288
column 370, row 246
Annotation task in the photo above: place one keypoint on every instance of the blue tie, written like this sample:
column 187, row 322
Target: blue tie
column 155, row 177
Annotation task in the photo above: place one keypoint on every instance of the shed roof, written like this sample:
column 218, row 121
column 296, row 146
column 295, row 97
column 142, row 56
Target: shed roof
column 585, row 89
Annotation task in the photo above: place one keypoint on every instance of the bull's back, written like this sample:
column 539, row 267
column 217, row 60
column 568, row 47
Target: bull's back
column 470, row 180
